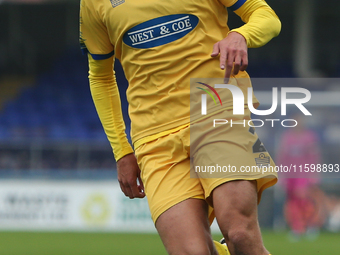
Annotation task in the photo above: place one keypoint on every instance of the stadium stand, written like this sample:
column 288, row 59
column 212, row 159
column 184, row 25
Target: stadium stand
column 58, row 106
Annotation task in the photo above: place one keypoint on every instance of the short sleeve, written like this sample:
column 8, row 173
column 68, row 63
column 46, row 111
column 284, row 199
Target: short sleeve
column 93, row 36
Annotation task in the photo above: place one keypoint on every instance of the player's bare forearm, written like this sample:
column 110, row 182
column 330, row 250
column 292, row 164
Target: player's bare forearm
column 128, row 174
column 233, row 52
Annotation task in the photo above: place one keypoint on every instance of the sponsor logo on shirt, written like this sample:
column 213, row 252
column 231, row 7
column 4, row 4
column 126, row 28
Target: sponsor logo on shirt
column 160, row 31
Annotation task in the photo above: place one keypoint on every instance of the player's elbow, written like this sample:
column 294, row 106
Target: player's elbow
column 268, row 26
column 276, row 26
column 273, row 20
column 273, row 28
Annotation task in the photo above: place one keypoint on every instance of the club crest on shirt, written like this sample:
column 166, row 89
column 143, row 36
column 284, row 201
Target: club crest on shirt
column 115, row 3
column 160, row 31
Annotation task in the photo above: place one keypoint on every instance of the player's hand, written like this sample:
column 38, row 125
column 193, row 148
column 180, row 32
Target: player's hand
column 232, row 50
column 128, row 174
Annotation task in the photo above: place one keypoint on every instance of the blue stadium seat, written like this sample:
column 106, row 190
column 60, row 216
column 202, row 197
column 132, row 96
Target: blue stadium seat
column 59, row 105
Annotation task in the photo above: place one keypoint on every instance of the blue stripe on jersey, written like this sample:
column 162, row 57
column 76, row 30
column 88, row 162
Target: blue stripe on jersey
column 102, row 56
column 84, row 50
column 237, row 5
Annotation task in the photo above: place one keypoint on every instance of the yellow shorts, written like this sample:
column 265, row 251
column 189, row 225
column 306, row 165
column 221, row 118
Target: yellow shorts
column 172, row 166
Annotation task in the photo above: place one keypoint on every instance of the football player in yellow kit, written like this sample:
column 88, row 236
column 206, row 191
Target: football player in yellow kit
column 161, row 45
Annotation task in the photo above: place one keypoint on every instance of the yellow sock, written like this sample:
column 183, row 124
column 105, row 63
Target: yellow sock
column 221, row 248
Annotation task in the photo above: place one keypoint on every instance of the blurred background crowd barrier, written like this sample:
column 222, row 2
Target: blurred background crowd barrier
column 57, row 170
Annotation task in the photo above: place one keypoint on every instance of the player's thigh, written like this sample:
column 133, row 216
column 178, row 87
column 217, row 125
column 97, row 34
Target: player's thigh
column 165, row 171
column 184, row 228
column 235, row 206
column 235, row 203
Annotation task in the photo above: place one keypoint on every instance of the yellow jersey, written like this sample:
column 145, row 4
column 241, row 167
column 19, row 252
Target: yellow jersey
column 161, row 45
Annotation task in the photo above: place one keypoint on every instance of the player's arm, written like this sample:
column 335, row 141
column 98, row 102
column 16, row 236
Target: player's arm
column 262, row 24
column 105, row 94
column 95, row 41
column 106, row 98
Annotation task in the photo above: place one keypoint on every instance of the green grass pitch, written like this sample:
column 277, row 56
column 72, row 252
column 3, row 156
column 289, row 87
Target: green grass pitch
column 37, row 243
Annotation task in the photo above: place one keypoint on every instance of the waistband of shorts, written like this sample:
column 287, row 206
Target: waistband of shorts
column 167, row 132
